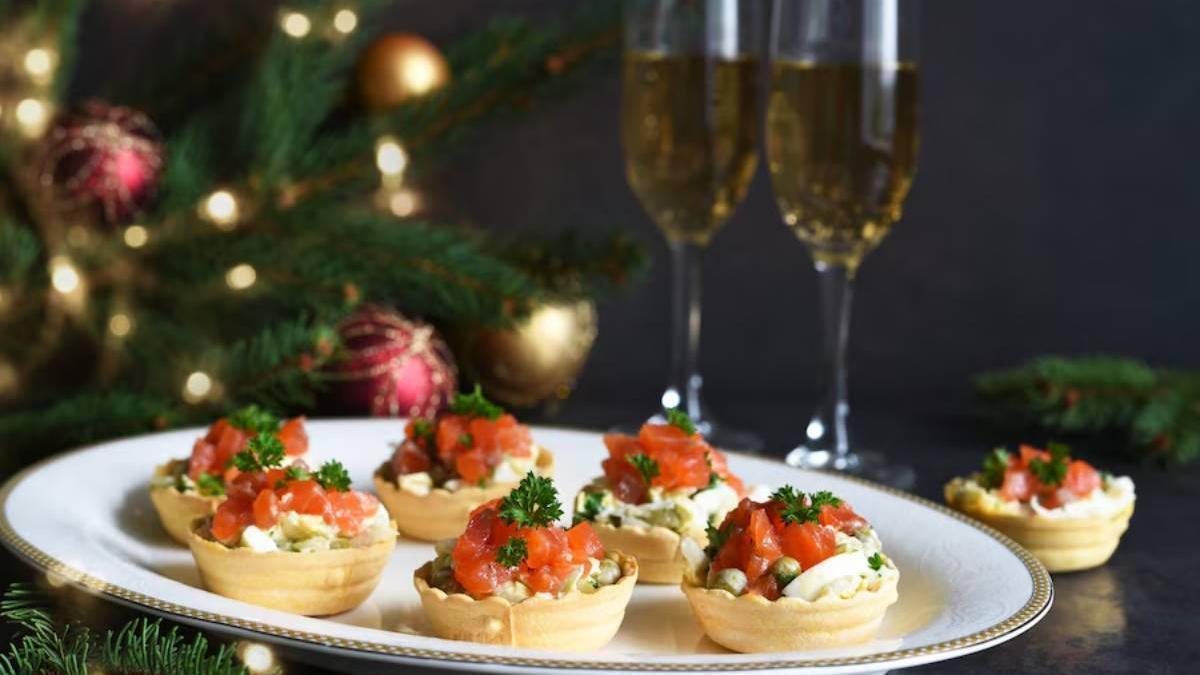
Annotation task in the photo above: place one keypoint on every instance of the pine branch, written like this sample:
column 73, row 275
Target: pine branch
column 19, row 249
column 1156, row 413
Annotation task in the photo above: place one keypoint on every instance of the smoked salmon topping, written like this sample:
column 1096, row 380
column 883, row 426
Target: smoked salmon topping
column 671, row 456
column 1051, row 475
column 213, row 453
column 467, row 442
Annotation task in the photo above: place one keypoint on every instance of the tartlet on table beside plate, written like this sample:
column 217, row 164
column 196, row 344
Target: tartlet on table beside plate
column 185, row 489
column 662, row 486
column 292, row 539
column 1067, row 514
column 517, row 579
column 794, row 573
column 449, row 465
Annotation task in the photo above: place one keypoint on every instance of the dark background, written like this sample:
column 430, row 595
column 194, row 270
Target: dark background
column 1053, row 212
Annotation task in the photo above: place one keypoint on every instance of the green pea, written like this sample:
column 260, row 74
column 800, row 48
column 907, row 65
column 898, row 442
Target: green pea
column 608, row 573
column 785, row 569
column 730, row 579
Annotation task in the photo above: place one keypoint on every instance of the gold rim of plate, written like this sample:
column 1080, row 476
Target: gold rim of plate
column 1038, row 601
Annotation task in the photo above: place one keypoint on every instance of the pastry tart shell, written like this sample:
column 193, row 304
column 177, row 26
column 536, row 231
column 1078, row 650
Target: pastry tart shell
column 656, row 549
column 575, row 622
column 176, row 510
column 442, row 514
column 751, row 623
column 1061, row 544
column 315, row 583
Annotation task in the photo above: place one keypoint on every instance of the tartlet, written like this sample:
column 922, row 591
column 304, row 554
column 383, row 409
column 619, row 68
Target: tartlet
column 795, row 573
column 660, row 487
column 449, row 465
column 516, row 579
column 291, row 539
column 183, row 490
column 1062, row 510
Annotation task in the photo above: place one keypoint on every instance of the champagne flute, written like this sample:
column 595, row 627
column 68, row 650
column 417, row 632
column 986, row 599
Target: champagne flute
column 689, row 127
column 842, row 151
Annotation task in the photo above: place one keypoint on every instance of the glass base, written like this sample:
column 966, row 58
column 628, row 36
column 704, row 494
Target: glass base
column 719, row 435
column 869, row 465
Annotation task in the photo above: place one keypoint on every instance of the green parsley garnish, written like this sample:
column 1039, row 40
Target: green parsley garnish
column 875, row 561
column 680, row 420
column 800, row 508
column 210, row 485
column 994, row 466
column 512, row 553
column 645, row 466
column 475, row 405
column 333, row 476
column 423, row 430
column 592, row 501
column 1054, row 471
column 296, row 472
column 533, row 503
column 717, row 536
column 466, row 440
column 253, row 418
column 262, row 452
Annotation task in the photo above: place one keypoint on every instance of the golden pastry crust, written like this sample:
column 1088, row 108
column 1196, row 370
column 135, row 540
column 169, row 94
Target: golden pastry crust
column 315, row 583
column 177, row 510
column 1061, row 544
column 443, row 514
column 575, row 622
column 751, row 623
column 656, row 549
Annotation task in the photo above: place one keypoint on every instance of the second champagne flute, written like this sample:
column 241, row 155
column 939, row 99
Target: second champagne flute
column 689, row 126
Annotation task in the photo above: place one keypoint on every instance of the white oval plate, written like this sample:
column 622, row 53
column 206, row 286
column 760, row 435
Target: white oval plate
column 85, row 517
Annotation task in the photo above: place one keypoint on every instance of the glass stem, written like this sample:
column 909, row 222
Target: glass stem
column 827, row 431
column 685, row 381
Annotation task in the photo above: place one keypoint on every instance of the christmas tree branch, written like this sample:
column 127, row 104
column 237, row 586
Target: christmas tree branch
column 1155, row 413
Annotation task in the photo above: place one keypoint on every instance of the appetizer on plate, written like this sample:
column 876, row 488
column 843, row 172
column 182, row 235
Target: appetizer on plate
column 447, row 466
column 1066, row 513
column 185, row 489
column 516, row 578
column 292, row 539
column 662, row 486
column 796, row 572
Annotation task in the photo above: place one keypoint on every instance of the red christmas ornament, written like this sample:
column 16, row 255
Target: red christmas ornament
column 394, row 366
column 105, row 155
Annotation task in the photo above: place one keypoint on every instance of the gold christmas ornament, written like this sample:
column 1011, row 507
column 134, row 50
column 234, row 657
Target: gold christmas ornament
column 535, row 360
column 397, row 67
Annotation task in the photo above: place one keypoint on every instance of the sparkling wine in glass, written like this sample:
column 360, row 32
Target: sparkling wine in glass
column 842, row 151
column 690, row 119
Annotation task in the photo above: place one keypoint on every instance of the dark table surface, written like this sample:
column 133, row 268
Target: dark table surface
column 1138, row 613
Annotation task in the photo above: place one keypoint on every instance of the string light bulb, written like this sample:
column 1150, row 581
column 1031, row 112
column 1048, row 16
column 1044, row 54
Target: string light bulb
column 295, row 24
column 345, row 21
column 240, row 277
column 257, row 657
column 403, row 203
column 390, row 157
column 63, row 275
column 120, row 325
column 197, row 387
column 136, row 236
column 32, row 115
column 221, row 208
column 39, row 63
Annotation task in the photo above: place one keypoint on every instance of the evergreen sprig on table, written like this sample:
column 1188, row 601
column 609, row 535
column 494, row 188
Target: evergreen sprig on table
column 42, row 646
column 1147, row 412
column 264, row 115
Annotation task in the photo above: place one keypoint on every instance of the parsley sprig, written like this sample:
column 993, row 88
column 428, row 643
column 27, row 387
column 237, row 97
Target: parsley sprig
column 533, row 503
column 333, row 476
column 680, row 420
column 645, row 465
column 994, row 466
column 875, row 561
column 254, row 419
column 800, row 508
column 717, row 536
column 424, row 430
column 210, row 485
column 512, row 553
column 1052, row 472
column 592, row 503
column 475, row 405
column 262, row 452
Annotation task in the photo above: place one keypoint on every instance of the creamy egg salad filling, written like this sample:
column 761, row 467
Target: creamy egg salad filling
column 684, row 511
column 858, row 565
column 176, row 476
column 509, row 470
column 589, row 578
column 305, row 532
column 1113, row 496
